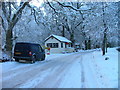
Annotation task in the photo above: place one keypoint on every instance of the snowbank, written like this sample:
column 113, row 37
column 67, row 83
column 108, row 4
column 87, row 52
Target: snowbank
column 53, row 56
column 106, row 70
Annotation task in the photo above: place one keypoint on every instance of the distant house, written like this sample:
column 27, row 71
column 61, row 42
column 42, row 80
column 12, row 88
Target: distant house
column 77, row 46
column 58, row 44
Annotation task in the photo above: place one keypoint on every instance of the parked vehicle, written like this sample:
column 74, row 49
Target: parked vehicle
column 118, row 49
column 28, row 52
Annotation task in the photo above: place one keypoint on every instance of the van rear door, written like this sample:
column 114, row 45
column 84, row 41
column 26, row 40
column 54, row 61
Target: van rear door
column 22, row 49
column 41, row 52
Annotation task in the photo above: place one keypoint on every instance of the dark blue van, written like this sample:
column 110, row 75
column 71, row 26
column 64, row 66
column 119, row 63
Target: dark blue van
column 28, row 52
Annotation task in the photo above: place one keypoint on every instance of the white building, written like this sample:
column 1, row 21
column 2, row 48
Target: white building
column 58, row 44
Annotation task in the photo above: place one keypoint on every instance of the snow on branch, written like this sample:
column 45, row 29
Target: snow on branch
column 14, row 4
column 51, row 6
column 3, row 23
column 72, row 7
column 78, row 24
column 19, row 11
column 5, row 11
column 34, row 13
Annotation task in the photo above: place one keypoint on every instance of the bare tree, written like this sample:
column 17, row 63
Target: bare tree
column 0, row 29
column 104, row 43
column 12, row 17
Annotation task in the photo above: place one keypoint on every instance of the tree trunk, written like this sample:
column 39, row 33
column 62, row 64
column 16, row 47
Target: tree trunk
column 72, row 39
column 0, row 37
column 12, row 19
column 106, row 44
column 85, row 44
column 104, row 47
column 9, row 41
column 63, row 31
column 89, row 44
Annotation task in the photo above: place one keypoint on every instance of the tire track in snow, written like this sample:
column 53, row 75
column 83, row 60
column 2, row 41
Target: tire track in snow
column 17, row 75
column 83, row 70
column 24, row 76
column 73, row 77
column 82, row 73
column 56, row 68
column 26, row 66
column 88, row 75
column 54, row 79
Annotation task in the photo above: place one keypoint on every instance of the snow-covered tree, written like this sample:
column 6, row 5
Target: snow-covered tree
column 12, row 15
column 81, row 22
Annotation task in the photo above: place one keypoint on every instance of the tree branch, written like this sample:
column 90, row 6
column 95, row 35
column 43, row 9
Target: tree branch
column 78, row 24
column 18, row 14
column 14, row 5
column 35, row 16
column 69, row 6
column 34, row 13
column 9, row 4
column 5, row 11
column 51, row 6
column 3, row 24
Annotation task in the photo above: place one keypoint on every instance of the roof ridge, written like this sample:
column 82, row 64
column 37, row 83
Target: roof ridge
column 61, row 38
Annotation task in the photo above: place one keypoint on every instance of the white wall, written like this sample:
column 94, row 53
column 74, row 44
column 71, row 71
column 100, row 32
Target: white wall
column 54, row 50
column 59, row 49
column 53, row 41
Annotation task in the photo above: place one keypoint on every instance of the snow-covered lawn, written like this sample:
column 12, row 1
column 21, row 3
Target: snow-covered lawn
column 84, row 69
column 105, row 71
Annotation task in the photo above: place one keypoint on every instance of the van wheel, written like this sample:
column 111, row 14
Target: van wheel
column 33, row 60
column 17, row 60
column 43, row 58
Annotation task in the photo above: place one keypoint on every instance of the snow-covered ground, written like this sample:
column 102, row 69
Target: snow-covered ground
column 104, row 71
column 84, row 69
column 107, row 70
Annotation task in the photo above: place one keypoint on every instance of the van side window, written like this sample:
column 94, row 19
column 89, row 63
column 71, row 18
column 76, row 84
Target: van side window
column 40, row 48
column 35, row 48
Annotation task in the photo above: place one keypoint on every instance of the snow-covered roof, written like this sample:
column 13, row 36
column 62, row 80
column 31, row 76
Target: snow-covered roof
column 60, row 38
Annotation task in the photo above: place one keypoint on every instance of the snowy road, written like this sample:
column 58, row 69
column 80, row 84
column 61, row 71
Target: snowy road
column 47, row 74
column 62, row 71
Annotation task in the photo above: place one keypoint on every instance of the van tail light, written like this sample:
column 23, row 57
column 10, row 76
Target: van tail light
column 30, row 53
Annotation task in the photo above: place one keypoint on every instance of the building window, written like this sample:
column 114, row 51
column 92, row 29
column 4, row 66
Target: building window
column 61, row 45
column 55, row 45
column 65, row 45
column 49, row 44
column 69, row 44
column 52, row 45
